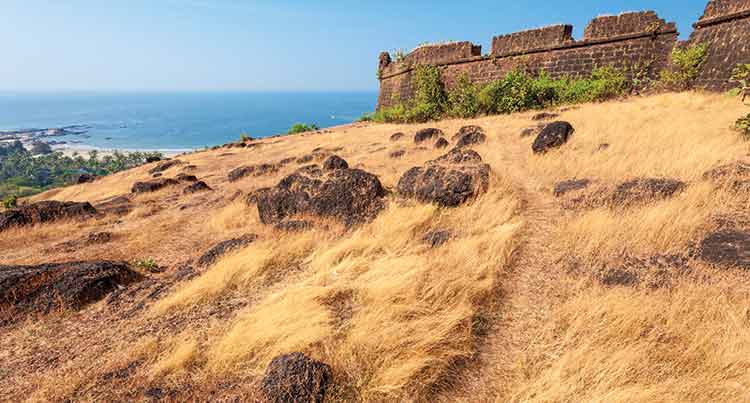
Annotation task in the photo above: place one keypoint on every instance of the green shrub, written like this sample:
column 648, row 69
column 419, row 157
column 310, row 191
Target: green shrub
column 686, row 65
column 148, row 264
column 10, row 201
column 302, row 127
column 743, row 125
column 244, row 137
column 463, row 100
column 430, row 98
column 512, row 93
column 741, row 76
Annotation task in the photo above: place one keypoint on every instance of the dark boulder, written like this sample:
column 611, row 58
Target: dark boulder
column 544, row 116
column 254, row 196
column 255, row 170
column 305, row 159
column 286, row 161
column 196, row 187
column 153, row 185
column 427, row 134
column 564, row 187
column 157, row 175
column 349, row 195
column 85, row 178
column 469, row 135
column 222, row 248
column 335, row 162
column 164, row 165
column 397, row 136
column 47, row 287
column 118, row 205
column 447, row 181
column 441, row 143
column 602, row 147
column 397, row 154
column 467, row 130
column 727, row 247
column 152, row 158
column 295, row 378
column 437, row 238
column 642, row 190
column 43, row 212
column 182, row 177
column 552, row 136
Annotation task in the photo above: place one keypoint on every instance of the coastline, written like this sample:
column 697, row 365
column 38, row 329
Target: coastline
column 70, row 149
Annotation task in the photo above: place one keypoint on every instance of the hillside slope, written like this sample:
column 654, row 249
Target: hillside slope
column 632, row 285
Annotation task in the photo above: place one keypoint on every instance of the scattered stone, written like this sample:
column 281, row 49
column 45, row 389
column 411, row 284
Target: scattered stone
column 118, row 205
column 427, row 134
column 441, row 143
column 602, row 147
column 295, row 378
column 437, row 238
column 157, row 175
column 397, row 154
column 645, row 189
column 466, row 130
column 85, row 178
column 564, row 187
column 470, row 135
column 196, row 187
column 153, row 158
column 186, row 178
column 222, row 248
column 189, row 167
column 305, row 159
column 255, row 170
column 552, row 136
column 448, row 181
column 94, row 238
column 47, row 287
column 728, row 171
column 286, row 161
column 153, row 185
column 254, row 196
column 532, row 131
column 163, row 166
column 294, row 226
column 544, row 116
column 653, row 272
column 727, row 247
column 43, row 212
column 349, row 195
column 397, row 136
column 335, row 162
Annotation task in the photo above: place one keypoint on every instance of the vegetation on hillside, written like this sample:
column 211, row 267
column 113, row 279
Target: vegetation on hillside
column 22, row 173
column 302, row 128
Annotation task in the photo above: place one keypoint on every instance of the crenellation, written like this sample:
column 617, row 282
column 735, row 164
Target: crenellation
column 633, row 39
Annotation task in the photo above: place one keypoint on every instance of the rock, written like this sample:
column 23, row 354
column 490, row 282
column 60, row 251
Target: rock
column 335, row 162
column 152, row 158
column 544, row 116
column 94, row 238
column 397, row 136
column 602, row 147
column 255, row 170
column 189, row 167
column 441, row 143
column 254, row 196
column 157, row 175
column 397, row 154
column 294, row 226
column 305, row 159
column 295, row 378
column 222, row 248
column 85, row 178
column 466, row 130
column 163, row 166
column 728, row 171
column 645, row 189
column 552, row 136
column 43, row 212
column 286, row 161
column 448, row 181
column 726, row 247
column 119, row 205
column 427, row 134
column 47, row 287
column 186, row 178
column 564, row 187
column 196, row 187
column 469, row 135
column 437, row 238
column 653, row 272
column 532, row 131
column 153, row 185
column 349, row 195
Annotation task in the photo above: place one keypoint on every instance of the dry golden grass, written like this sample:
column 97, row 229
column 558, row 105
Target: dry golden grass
column 507, row 310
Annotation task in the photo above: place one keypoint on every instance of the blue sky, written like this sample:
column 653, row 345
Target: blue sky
column 184, row 45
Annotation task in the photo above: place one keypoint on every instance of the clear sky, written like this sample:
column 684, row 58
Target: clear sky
column 184, row 45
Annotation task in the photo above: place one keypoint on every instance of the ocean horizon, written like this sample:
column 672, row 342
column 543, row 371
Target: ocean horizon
column 176, row 121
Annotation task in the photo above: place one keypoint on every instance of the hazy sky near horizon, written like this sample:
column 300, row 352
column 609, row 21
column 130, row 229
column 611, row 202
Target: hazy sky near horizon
column 186, row 45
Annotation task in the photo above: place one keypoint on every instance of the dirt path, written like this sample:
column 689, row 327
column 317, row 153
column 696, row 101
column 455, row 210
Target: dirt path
column 529, row 292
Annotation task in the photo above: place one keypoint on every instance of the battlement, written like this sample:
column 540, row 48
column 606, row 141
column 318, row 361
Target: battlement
column 621, row 41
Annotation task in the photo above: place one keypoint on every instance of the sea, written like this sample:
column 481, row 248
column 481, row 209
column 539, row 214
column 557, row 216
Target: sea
column 177, row 121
